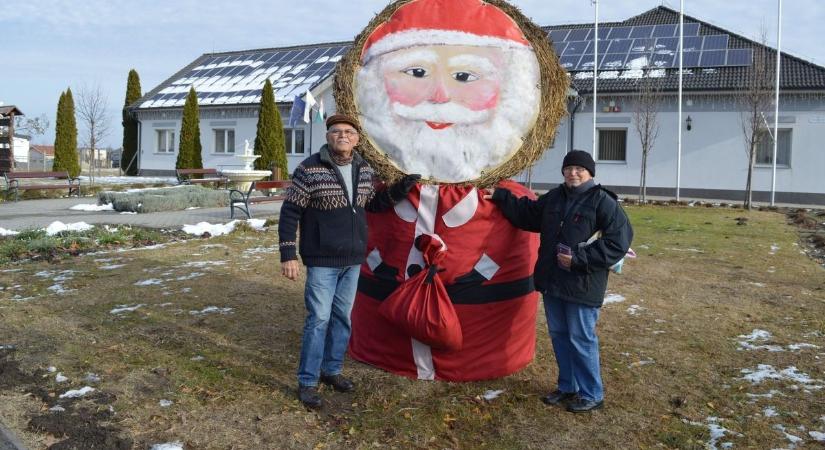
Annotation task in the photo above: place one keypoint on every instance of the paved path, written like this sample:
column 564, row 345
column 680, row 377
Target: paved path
column 8, row 441
column 27, row 214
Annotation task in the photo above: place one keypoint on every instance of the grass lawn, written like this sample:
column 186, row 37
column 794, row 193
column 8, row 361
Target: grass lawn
column 720, row 340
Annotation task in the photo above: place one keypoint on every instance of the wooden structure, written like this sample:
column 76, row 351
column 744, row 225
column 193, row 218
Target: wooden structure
column 64, row 181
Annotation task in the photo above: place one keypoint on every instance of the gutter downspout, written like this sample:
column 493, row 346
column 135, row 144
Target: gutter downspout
column 572, row 107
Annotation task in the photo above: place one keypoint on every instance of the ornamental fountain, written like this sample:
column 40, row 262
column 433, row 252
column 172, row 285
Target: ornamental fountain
column 243, row 178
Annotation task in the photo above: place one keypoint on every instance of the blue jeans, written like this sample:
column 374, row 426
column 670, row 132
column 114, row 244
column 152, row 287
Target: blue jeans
column 328, row 295
column 573, row 332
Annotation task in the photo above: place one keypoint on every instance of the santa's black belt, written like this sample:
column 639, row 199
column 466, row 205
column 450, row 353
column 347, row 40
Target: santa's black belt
column 461, row 293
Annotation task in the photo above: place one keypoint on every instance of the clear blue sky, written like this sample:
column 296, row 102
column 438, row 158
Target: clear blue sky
column 56, row 44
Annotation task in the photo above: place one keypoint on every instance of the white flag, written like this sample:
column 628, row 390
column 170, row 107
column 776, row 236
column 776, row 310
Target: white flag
column 310, row 102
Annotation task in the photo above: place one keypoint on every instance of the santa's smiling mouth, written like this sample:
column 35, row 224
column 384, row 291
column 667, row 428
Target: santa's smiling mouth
column 438, row 125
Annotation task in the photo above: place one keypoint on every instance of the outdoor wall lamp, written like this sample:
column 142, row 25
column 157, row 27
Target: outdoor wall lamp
column 689, row 123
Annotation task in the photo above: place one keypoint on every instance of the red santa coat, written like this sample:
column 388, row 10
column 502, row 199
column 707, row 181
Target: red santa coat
column 488, row 274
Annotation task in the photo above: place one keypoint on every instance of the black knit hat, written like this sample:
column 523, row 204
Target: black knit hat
column 580, row 158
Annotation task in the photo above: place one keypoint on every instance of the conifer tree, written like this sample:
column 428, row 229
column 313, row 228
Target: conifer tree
column 128, row 162
column 65, row 144
column 269, row 141
column 189, row 150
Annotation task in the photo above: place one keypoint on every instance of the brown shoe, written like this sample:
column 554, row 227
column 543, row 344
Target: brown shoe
column 338, row 382
column 309, row 396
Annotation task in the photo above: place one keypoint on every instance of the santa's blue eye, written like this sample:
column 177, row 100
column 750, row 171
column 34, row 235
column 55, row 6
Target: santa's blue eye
column 416, row 72
column 464, row 77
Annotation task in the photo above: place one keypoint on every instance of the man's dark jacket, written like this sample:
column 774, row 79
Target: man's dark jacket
column 593, row 210
column 333, row 229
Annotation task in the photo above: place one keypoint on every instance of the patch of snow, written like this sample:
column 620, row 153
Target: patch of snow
column 59, row 378
column 92, row 378
column 609, row 75
column 78, row 393
column 689, row 250
column 792, row 438
column 192, row 207
column 757, row 284
column 717, row 431
column 165, row 403
column 633, row 74
column 128, row 212
column 634, row 309
column 818, row 436
column 59, row 289
column 57, row 408
column 5, row 232
column 800, row 346
column 197, row 358
column 774, row 248
column 213, row 246
column 149, row 282
column 769, row 412
column 93, row 207
column 59, row 227
column 132, row 180
column 767, row 372
column 211, row 309
column 584, row 75
column 220, row 229
column 656, row 73
column 112, row 266
column 492, row 394
column 202, row 264
column 125, row 308
column 190, row 276
column 613, row 298
column 51, row 369
column 168, row 446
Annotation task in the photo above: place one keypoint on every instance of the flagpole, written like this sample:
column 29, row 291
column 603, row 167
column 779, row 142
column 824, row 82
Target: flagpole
column 776, row 100
column 681, row 69
column 595, row 72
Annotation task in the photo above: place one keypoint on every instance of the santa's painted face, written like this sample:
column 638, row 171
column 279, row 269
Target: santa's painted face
column 449, row 111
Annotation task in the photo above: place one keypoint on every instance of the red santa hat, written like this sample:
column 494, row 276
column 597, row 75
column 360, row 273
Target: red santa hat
column 444, row 22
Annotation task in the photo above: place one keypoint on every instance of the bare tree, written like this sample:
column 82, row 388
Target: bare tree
column 646, row 120
column 754, row 102
column 91, row 109
column 33, row 127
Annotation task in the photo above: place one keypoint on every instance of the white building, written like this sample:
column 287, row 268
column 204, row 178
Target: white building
column 713, row 161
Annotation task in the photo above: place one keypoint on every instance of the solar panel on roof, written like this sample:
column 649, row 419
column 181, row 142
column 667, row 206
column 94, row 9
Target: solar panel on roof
column 620, row 32
column 603, row 44
column 619, row 45
column 559, row 47
column 665, row 30
column 575, row 48
column 664, row 45
column 604, row 32
column 662, row 60
column 739, row 57
column 715, row 42
column 691, row 29
column 692, row 43
column 712, row 58
column 642, row 31
column 558, row 35
column 613, row 61
column 643, row 45
column 569, row 62
column 579, row 34
column 690, row 59
column 637, row 61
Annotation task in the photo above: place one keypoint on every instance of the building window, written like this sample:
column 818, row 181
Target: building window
column 224, row 141
column 613, row 145
column 294, row 141
column 764, row 150
column 165, row 141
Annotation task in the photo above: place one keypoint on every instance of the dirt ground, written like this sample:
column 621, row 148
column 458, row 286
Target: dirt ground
column 719, row 339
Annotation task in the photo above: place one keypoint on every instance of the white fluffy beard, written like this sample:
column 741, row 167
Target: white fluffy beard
column 462, row 151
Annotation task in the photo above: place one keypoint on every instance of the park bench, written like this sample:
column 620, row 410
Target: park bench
column 201, row 176
column 63, row 181
column 242, row 200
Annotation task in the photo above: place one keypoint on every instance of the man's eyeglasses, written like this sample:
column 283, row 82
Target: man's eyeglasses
column 572, row 169
column 342, row 132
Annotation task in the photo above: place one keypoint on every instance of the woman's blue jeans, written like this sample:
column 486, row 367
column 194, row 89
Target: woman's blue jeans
column 573, row 333
column 328, row 295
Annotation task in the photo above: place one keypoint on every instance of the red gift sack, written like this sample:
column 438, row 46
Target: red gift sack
column 421, row 307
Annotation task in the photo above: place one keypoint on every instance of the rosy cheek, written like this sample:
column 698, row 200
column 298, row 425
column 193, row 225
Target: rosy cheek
column 405, row 90
column 478, row 95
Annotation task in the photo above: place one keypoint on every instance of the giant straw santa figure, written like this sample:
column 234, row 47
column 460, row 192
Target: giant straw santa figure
column 465, row 93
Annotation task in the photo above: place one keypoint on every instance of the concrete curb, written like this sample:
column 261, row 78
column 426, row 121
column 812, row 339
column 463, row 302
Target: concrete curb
column 8, row 441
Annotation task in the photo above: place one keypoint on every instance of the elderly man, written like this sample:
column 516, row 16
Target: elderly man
column 572, row 273
column 329, row 194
